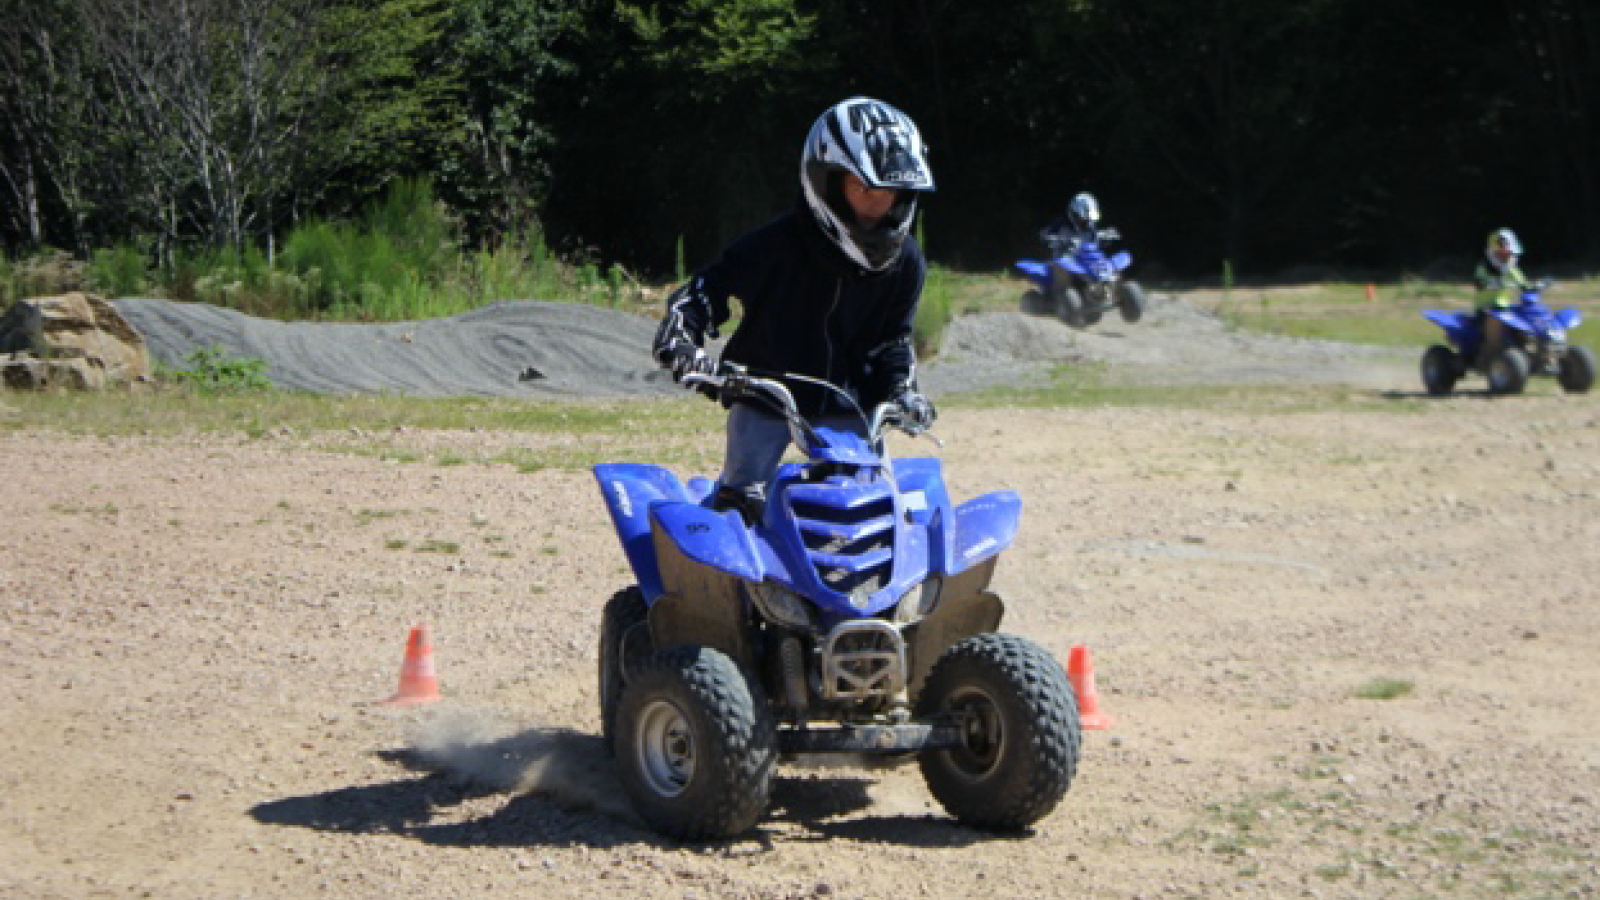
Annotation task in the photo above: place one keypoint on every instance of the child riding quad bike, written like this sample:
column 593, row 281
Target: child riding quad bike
column 1080, row 281
column 1535, row 343
column 851, row 618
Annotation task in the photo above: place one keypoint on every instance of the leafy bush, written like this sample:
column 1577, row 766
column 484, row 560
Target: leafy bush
column 118, row 271
column 212, row 372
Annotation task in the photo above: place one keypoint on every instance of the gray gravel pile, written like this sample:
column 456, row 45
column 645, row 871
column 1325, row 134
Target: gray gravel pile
column 541, row 349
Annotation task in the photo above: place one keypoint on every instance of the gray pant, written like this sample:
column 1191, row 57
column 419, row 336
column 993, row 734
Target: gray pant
column 757, row 439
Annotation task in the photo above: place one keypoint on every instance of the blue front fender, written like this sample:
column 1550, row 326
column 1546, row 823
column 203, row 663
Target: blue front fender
column 716, row 540
column 1038, row 272
column 984, row 526
column 630, row 490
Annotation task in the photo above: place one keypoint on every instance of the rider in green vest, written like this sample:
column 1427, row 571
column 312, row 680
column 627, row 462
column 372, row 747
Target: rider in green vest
column 1500, row 283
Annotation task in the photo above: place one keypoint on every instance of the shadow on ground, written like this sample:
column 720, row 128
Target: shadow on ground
column 564, row 790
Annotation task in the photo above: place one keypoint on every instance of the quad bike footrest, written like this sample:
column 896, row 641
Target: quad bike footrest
column 904, row 737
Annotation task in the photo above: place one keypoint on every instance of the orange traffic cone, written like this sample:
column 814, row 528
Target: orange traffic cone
column 1372, row 293
column 418, row 681
column 1080, row 672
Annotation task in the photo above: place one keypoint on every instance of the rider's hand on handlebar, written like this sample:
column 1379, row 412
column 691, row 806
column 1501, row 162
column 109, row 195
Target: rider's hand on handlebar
column 918, row 410
column 684, row 358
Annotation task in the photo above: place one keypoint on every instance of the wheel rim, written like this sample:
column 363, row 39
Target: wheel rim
column 665, row 748
column 1499, row 375
column 983, row 735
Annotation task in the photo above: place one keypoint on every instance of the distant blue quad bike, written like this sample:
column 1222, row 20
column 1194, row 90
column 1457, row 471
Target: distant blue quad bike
column 1536, row 344
column 1080, row 283
column 851, row 622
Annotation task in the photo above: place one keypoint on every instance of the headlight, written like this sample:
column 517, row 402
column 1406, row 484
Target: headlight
column 919, row 603
column 781, row 606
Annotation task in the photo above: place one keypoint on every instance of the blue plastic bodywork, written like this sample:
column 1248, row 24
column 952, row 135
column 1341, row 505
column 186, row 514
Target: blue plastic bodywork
column 847, row 530
column 1530, row 316
column 1088, row 261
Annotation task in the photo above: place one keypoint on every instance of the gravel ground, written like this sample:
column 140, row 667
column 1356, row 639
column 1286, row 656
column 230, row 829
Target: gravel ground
column 192, row 632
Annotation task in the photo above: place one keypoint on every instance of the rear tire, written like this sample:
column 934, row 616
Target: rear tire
column 1508, row 372
column 1131, row 301
column 1019, row 717
column 1440, row 370
column 625, row 646
column 1577, row 370
column 696, row 745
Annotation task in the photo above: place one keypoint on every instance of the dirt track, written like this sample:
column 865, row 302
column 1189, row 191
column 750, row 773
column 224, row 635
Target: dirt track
column 191, row 632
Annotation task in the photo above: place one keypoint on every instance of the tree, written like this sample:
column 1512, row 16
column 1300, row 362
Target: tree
column 241, row 108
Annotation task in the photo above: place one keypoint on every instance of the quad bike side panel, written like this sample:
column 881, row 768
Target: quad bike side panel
column 701, row 605
column 965, row 608
column 630, row 490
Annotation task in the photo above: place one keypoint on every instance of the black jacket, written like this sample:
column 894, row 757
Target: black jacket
column 807, row 311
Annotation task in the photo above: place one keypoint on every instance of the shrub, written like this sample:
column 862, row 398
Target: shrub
column 118, row 271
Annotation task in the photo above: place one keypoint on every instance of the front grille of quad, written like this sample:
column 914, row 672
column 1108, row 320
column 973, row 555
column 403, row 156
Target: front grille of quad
column 848, row 531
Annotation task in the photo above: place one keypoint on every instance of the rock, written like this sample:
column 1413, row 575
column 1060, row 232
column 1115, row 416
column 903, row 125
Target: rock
column 73, row 340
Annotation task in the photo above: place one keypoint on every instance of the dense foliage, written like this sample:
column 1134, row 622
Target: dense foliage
column 1264, row 134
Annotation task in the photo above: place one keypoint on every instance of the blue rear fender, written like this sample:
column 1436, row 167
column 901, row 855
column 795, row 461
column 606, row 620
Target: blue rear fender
column 1121, row 260
column 1570, row 318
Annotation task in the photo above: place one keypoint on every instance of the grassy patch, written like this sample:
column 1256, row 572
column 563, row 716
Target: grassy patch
column 1384, row 689
column 166, row 413
column 1342, row 312
column 1091, row 385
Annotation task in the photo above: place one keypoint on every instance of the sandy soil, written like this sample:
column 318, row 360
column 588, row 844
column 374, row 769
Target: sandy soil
column 193, row 632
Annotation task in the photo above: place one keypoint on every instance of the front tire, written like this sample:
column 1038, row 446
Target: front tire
column 1440, row 370
column 1508, row 372
column 1131, row 301
column 1577, row 370
column 1019, row 718
column 624, row 648
column 1069, row 306
column 696, row 745
column 1035, row 304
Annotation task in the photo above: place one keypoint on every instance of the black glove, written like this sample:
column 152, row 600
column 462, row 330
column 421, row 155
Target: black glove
column 918, row 410
column 684, row 358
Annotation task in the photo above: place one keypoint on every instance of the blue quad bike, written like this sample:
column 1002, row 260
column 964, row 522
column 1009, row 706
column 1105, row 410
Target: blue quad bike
column 1536, row 344
column 1080, row 283
column 849, row 622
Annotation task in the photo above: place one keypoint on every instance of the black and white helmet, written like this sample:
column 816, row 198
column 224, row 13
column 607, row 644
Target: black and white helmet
column 880, row 145
column 1083, row 212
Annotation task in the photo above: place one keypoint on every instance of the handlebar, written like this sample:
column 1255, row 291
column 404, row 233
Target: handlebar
column 734, row 382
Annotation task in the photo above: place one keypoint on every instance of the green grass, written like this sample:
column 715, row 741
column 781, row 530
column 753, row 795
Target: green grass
column 1342, row 312
column 1093, row 385
column 1384, row 689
